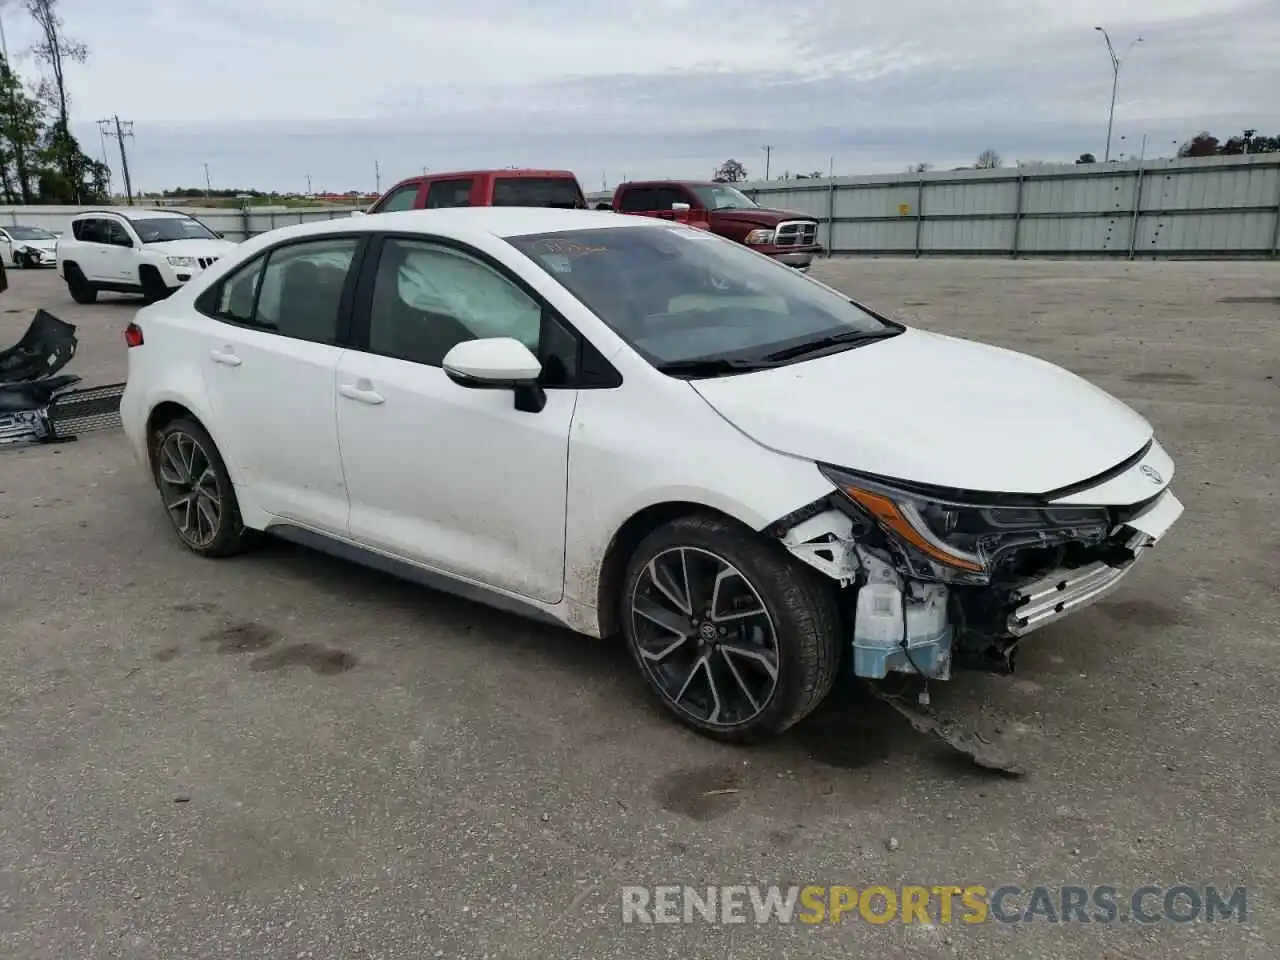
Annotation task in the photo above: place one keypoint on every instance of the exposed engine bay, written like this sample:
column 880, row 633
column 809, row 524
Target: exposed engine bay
column 936, row 580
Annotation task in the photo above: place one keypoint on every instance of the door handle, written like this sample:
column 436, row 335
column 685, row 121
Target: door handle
column 361, row 392
column 227, row 358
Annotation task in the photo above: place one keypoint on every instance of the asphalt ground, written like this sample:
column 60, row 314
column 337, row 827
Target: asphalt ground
column 284, row 755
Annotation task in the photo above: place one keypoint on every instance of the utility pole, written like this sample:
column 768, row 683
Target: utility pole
column 377, row 178
column 768, row 155
column 208, row 184
column 308, row 184
column 1115, row 83
column 113, row 126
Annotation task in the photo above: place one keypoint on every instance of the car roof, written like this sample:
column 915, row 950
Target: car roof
column 500, row 222
column 135, row 213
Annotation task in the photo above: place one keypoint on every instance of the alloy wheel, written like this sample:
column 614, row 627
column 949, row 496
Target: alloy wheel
column 189, row 486
column 704, row 636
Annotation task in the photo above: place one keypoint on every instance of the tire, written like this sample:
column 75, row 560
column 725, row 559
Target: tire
column 187, row 465
column 81, row 290
column 727, row 656
column 153, row 287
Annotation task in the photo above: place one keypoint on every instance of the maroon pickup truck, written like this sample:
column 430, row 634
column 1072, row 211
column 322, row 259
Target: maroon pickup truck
column 787, row 236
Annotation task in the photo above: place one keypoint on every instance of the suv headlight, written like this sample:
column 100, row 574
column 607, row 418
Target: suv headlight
column 181, row 261
column 945, row 538
column 758, row 237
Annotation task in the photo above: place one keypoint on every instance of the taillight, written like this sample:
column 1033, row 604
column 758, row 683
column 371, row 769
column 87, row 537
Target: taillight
column 133, row 335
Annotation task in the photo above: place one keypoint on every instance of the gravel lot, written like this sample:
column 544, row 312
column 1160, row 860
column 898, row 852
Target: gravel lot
column 286, row 756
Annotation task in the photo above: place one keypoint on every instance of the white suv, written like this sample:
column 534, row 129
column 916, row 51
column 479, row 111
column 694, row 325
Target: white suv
column 151, row 252
column 629, row 426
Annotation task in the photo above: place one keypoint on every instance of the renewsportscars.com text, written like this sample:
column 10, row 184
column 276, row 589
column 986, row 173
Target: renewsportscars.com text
column 942, row 904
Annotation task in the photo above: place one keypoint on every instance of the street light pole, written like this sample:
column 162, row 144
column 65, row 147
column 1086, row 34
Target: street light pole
column 1115, row 83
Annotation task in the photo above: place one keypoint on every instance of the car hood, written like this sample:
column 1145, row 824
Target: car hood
column 938, row 410
column 46, row 245
column 191, row 248
column 759, row 216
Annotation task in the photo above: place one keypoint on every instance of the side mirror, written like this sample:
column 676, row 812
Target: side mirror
column 497, row 363
column 681, row 207
column 219, row 234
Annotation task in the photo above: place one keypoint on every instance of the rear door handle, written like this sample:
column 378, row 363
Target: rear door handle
column 361, row 392
column 227, row 358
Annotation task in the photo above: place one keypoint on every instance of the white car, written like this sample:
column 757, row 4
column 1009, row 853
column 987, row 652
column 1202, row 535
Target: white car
column 27, row 246
column 151, row 252
column 628, row 426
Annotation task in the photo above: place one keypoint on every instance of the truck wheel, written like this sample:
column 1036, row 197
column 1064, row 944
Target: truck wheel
column 735, row 638
column 81, row 290
column 153, row 287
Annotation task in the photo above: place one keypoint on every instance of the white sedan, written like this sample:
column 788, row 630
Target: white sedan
column 632, row 427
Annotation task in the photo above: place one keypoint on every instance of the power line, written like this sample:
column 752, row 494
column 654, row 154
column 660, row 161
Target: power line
column 119, row 129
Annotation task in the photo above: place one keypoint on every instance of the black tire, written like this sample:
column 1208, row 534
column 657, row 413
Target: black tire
column 153, row 288
column 81, row 290
column 223, row 537
column 795, row 602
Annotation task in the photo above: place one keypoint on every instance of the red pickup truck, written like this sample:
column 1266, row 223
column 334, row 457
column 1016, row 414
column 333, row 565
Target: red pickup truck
column 484, row 188
column 787, row 236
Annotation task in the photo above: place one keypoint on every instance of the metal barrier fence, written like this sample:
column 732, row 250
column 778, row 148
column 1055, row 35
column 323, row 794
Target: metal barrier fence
column 1189, row 208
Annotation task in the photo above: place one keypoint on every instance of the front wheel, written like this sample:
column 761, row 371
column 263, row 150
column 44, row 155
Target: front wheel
column 735, row 637
column 153, row 286
column 197, row 491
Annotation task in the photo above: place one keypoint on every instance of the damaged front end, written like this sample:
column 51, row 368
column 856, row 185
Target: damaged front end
column 934, row 578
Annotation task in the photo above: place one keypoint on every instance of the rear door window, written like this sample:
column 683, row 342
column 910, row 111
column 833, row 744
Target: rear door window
column 537, row 192
column 89, row 230
column 638, row 200
column 449, row 193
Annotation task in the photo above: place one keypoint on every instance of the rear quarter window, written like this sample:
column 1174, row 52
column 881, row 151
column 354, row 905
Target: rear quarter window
column 537, row 192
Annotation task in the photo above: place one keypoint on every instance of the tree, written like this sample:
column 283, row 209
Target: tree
column 55, row 51
column 988, row 159
column 1203, row 144
column 20, row 131
column 922, row 167
column 731, row 171
column 1087, row 158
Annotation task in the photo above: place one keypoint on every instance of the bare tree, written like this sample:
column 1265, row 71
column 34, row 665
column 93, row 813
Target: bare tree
column 922, row 167
column 988, row 159
column 55, row 51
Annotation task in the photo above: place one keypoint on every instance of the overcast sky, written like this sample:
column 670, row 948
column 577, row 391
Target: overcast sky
column 269, row 91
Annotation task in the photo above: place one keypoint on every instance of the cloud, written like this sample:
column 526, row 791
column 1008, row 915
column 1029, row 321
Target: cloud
column 269, row 91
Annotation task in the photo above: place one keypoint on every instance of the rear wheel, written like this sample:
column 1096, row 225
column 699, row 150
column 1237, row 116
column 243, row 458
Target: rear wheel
column 81, row 290
column 735, row 638
column 197, row 492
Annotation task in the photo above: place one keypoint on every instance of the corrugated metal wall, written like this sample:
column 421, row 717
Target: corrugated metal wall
column 1213, row 206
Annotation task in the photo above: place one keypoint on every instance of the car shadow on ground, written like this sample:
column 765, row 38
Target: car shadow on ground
column 850, row 731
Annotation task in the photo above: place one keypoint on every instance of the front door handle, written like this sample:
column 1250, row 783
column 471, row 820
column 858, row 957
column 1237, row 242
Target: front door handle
column 361, row 392
column 227, row 358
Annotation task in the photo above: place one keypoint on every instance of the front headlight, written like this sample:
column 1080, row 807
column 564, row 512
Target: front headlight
column 944, row 538
column 182, row 261
column 758, row 237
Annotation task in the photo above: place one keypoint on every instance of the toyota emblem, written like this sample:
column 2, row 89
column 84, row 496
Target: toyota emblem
column 1151, row 473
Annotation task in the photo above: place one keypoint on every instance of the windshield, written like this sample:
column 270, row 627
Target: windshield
column 678, row 294
column 30, row 233
column 164, row 229
column 537, row 192
column 721, row 196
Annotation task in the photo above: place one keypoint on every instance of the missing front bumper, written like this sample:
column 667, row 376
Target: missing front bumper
column 1063, row 592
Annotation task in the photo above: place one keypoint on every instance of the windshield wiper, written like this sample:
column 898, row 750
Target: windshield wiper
column 711, row 366
column 848, row 338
